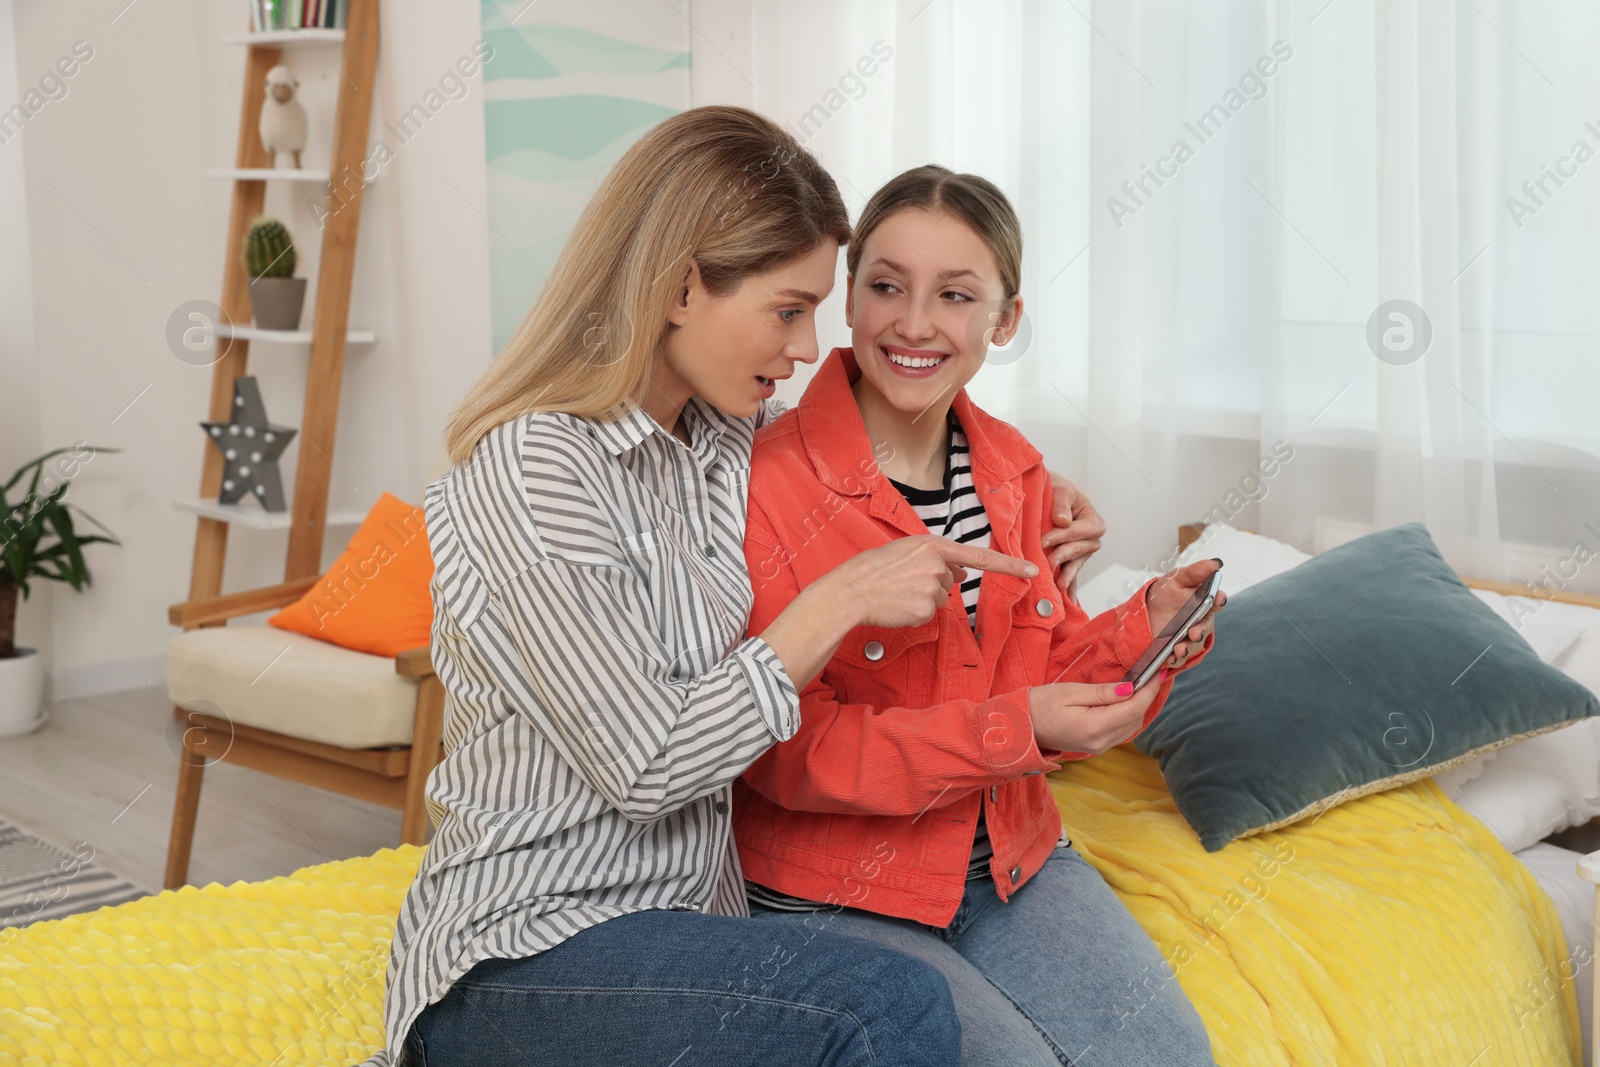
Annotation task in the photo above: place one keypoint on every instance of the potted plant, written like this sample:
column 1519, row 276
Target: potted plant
column 276, row 295
column 37, row 540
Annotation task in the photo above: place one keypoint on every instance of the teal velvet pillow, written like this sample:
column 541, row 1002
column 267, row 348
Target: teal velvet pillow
column 1364, row 668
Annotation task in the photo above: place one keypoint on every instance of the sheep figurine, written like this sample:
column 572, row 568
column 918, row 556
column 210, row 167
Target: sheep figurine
column 283, row 120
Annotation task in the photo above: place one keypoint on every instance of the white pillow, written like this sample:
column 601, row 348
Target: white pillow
column 1567, row 759
column 1110, row 587
column 1247, row 558
column 1513, row 796
column 1550, row 641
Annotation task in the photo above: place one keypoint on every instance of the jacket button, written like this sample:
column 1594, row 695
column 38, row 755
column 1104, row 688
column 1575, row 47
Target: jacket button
column 994, row 792
column 1044, row 607
column 721, row 807
column 1016, row 872
column 874, row 651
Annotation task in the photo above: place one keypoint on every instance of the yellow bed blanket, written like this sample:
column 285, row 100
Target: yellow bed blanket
column 1392, row 930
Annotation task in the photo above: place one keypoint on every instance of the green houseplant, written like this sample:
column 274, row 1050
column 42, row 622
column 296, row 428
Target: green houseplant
column 276, row 295
column 37, row 540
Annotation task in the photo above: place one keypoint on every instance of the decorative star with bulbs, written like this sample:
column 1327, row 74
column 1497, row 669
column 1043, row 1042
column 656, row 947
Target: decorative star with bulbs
column 250, row 448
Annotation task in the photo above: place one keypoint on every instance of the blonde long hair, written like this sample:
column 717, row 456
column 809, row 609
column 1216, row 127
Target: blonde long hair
column 723, row 187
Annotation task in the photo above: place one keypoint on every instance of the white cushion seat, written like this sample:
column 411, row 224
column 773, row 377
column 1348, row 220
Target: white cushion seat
column 291, row 684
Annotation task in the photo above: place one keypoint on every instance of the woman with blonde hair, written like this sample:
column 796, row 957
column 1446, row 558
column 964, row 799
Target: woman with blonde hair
column 581, row 901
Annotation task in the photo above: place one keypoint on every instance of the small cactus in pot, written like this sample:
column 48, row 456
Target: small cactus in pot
column 276, row 295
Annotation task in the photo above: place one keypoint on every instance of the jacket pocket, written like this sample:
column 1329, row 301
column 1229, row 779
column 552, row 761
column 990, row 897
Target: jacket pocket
column 887, row 665
column 1034, row 619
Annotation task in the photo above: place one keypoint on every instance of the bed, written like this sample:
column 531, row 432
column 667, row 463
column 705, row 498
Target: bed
column 1394, row 928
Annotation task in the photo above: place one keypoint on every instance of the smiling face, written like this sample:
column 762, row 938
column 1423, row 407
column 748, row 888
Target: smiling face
column 730, row 349
column 924, row 306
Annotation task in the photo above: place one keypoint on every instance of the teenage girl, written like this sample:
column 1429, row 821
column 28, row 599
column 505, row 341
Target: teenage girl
column 910, row 809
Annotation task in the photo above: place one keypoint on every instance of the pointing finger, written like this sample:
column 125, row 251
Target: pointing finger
column 984, row 559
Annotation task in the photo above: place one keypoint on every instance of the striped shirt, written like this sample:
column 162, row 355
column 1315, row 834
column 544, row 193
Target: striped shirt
column 590, row 598
column 953, row 511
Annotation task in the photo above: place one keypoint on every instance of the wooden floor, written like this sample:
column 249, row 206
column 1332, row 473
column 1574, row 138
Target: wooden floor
column 103, row 770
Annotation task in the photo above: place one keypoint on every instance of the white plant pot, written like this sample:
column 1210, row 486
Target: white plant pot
column 21, row 692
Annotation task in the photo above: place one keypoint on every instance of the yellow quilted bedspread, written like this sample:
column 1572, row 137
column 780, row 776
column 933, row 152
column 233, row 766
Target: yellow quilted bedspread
column 286, row 972
column 1392, row 930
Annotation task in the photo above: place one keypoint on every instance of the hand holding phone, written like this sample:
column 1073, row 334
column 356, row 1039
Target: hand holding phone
column 1205, row 596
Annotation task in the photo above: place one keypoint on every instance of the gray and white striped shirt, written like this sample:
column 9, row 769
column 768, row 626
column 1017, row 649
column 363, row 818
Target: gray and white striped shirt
column 590, row 599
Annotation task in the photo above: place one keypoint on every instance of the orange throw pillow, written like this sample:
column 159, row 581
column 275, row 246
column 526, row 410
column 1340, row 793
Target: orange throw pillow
column 375, row 597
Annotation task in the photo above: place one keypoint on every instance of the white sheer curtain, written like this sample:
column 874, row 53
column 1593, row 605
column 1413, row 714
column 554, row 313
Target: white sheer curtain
column 1217, row 199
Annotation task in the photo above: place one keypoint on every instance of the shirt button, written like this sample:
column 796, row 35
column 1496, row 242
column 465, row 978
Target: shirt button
column 994, row 792
column 710, row 551
column 721, row 807
column 874, row 651
column 1016, row 872
column 1044, row 607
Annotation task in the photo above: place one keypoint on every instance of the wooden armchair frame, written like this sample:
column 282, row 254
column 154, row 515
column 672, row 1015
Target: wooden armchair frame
column 393, row 777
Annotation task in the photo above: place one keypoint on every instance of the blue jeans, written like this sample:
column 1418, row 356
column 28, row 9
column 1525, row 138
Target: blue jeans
column 667, row 988
column 1062, row 974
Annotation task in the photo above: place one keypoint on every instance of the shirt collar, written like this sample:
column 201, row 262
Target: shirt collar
column 622, row 434
column 836, row 441
column 705, row 425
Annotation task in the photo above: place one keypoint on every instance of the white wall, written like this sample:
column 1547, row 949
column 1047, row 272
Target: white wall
column 19, row 384
column 104, row 204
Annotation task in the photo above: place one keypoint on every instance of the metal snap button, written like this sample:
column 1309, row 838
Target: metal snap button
column 874, row 650
column 994, row 793
column 1044, row 607
column 1016, row 872
column 721, row 807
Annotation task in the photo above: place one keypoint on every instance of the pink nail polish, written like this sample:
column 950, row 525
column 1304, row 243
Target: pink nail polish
column 1163, row 676
column 1125, row 689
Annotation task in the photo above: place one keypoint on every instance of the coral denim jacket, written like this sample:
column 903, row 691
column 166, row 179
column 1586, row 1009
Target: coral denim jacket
column 907, row 733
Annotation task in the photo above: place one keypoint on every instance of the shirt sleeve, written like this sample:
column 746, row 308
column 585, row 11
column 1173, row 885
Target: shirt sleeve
column 605, row 690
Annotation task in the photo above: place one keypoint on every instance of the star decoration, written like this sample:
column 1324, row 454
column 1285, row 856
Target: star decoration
column 250, row 448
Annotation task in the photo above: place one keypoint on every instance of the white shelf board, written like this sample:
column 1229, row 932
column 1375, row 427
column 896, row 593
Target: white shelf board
column 255, row 517
column 261, row 174
column 282, row 174
column 290, row 337
column 277, row 38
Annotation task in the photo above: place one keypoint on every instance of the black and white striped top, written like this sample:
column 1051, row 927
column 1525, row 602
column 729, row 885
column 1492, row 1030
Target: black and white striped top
column 590, row 598
column 953, row 511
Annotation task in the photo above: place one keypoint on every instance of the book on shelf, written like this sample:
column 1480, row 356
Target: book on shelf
column 266, row 15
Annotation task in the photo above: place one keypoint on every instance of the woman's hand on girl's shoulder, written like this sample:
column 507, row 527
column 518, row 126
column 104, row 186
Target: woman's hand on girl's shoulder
column 1076, row 535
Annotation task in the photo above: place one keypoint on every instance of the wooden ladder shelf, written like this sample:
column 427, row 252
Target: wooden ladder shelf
column 330, row 317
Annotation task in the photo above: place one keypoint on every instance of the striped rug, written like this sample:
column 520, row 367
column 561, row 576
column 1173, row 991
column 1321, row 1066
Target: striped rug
column 39, row 880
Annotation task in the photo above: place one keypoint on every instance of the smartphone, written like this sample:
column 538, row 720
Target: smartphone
column 1191, row 612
